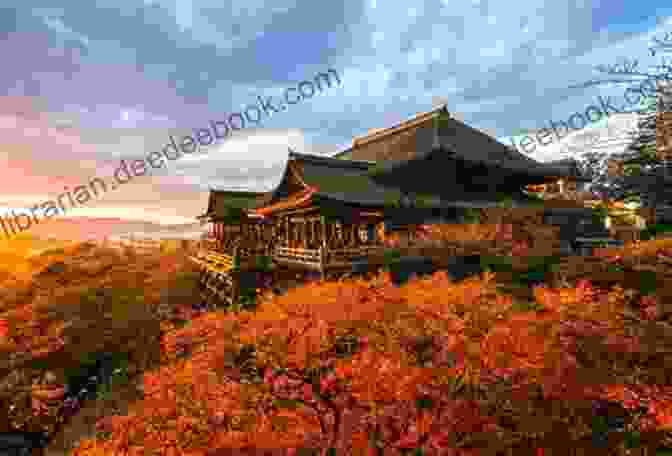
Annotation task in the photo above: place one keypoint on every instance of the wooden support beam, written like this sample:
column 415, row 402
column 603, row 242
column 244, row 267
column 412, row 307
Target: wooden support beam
column 304, row 234
column 323, row 231
column 288, row 233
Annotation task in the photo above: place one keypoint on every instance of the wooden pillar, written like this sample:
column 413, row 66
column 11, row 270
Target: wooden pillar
column 304, row 234
column 311, row 240
column 323, row 231
column 288, row 234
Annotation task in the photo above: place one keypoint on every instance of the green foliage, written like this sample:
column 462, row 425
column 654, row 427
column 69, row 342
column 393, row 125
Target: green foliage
column 633, row 440
column 504, row 200
column 422, row 200
column 377, row 169
column 654, row 230
column 104, row 392
column 186, row 279
column 264, row 263
column 600, row 211
column 442, row 123
column 103, row 435
column 392, row 199
column 527, row 306
column 87, row 360
column 471, row 215
column 123, row 302
column 119, row 301
column 390, row 257
column 247, row 300
column 535, row 275
column 286, row 403
column 424, row 403
column 647, row 282
column 615, row 268
column 496, row 263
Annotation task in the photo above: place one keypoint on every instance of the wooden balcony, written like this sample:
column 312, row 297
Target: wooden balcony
column 344, row 258
column 213, row 261
column 324, row 259
column 310, row 259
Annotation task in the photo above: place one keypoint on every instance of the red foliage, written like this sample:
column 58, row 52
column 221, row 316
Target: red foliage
column 359, row 366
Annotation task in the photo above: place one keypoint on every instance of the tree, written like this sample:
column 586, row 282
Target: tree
column 644, row 174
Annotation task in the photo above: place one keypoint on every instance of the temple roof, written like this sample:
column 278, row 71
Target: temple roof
column 351, row 182
column 386, row 163
column 329, row 178
column 222, row 203
column 435, row 132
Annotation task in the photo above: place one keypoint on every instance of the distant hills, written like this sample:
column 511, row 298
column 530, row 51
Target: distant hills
column 96, row 228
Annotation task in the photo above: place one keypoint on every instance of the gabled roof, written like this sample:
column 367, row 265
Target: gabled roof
column 222, row 202
column 344, row 154
column 343, row 180
column 346, row 181
column 428, row 133
column 351, row 182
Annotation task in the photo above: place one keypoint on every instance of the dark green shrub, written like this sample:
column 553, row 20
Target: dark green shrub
column 390, row 257
column 471, row 215
column 655, row 230
column 647, row 282
column 264, row 263
column 496, row 263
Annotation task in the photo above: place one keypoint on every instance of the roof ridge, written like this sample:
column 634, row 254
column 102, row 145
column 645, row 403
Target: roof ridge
column 238, row 192
column 404, row 125
column 331, row 160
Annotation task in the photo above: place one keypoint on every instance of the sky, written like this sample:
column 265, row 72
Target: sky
column 85, row 85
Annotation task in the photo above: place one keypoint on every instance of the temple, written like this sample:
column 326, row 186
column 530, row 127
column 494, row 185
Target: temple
column 328, row 212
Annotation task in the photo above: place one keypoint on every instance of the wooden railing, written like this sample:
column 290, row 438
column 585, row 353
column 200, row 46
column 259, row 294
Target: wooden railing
column 310, row 258
column 213, row 261
column 322, row 259
column 339, row 256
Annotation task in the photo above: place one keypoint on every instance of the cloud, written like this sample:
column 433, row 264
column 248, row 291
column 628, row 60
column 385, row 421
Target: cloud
column 114, row 81
column 57, row 25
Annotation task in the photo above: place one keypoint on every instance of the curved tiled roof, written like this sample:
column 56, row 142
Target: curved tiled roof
column 222, row 202
column 298, row 200
column 434, row 131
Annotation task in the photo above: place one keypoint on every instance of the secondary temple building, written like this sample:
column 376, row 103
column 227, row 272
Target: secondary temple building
column 328, row 211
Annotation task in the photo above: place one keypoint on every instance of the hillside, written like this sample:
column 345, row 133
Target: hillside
column 89, row 228
column 429, row 365
column 73, row 304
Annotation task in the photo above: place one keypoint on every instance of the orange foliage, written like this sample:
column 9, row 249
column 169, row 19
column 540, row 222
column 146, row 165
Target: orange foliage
column 358, row 365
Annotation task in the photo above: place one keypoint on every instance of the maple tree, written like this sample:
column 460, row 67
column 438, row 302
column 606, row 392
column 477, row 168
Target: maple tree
column 365, row 367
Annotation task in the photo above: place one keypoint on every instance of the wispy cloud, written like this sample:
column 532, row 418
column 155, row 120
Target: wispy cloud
column 98, row 84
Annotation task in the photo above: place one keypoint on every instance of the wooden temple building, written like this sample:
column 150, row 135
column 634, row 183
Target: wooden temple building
column 327, row 212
